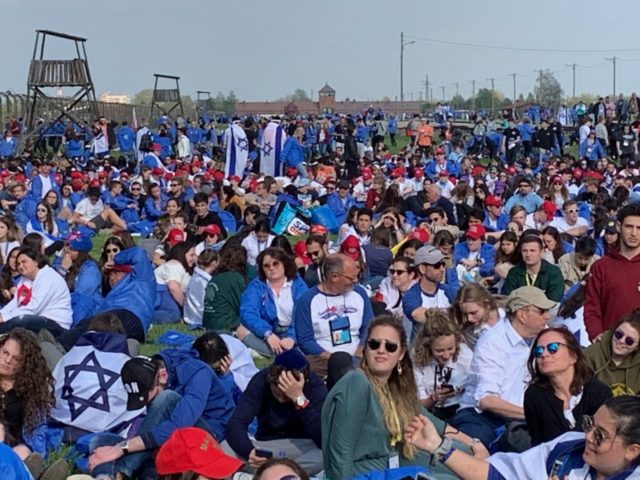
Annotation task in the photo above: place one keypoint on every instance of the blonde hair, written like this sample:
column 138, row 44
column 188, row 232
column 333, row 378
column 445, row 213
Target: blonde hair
column 399, row 396
column 438, row 323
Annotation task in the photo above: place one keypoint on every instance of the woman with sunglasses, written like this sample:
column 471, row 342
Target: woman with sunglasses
column 609, row 448
column 615, row 357
column 44, row 223
column 442, row 362
column 367, row 410
column 393, row 287
column 562, row 387
column 266, row 307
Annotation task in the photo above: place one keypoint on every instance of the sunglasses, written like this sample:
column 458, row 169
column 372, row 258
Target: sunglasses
column 112, row 250
column 173, row 185
column 552, row 348
column 393, row 271
column 375, row 345
column 599, row 437
column 136, row 189
column 314, row 254
column 438, row 265
column 274, row 264
column 571, row 211
column 42, row 210
column 628, row 340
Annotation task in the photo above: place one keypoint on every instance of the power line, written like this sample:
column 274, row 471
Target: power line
column 521, row 49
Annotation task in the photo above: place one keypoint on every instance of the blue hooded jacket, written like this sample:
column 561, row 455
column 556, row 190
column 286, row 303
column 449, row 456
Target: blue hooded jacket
column 204, row 397
column 36, row 185
column 25, row 210
column 126, row 139
column 258, row 310
column 139, row 284
column 292, row 152
column 487, row 253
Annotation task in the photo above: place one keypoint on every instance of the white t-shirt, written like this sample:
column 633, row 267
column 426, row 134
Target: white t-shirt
column 255, row 247
column 172, row 271
column 88, row 210
column 284, row 303
column 561, row 224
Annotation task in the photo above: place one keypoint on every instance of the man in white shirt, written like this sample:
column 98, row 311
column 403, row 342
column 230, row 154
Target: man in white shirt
column 495, row 392
column 570, row 222
column 91, row 212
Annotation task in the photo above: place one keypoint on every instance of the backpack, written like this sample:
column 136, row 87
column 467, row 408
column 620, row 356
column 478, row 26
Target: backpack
column 146, row 142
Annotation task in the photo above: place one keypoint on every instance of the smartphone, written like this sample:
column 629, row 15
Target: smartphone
column 448, row 388
column 264, row 453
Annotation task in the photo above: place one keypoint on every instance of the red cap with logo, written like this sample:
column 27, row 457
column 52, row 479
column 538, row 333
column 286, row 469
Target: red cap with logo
column 351, row 247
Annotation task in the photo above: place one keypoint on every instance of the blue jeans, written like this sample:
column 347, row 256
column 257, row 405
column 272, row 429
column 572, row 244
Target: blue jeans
column 159, row 411
column 482, row 426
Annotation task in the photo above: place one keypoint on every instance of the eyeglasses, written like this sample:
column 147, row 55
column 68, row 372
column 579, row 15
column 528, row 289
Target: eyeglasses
column 599, row 437
column 314, row 254
column 42, row 210
column 351, row 279
column 330, row 189
column 136, row 189
column 393, row 271
column 173, row 185
column 552, row 348
column 274, row 264
column 628, row 340
column 571, row 211
column 112, row 250
column 375, row 344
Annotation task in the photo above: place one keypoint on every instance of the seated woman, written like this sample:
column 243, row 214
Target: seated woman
column 266, row 306
column 401, row 278
column 257, row 241
column 42, row 298
column 9, row 276
column 377, row 253
column 609, row 448
column 367, row 410
column 26, row 388
column 562, row 388
column 615, row 358
column 172, row 278
column 442, row 361
column 475, row 310
column 222, row 296
column 8, row 237
column 44, row 223
column 155, row 204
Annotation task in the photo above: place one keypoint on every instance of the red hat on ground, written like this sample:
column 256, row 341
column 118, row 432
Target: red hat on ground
column 175, row 236
column 212, row 229
column 193, row 449
column 351, row 247
column 493, row 201
column 419, row 234
column 475, row 232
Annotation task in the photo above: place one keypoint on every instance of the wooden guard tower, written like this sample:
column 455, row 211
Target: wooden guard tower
column 46, row 74
column 202, row 102
column 168, row 99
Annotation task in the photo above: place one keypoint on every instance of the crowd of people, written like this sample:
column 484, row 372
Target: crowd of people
column 464, row 308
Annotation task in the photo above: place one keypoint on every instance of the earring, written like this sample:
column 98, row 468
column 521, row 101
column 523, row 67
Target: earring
column 399, row 368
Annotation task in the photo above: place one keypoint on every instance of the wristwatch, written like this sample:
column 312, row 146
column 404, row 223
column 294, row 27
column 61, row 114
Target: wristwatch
column 125, row 447
column 301, row 402
column 444, row 450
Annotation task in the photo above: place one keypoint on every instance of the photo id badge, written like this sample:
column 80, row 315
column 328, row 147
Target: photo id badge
column 394, row 461
column 340, row 332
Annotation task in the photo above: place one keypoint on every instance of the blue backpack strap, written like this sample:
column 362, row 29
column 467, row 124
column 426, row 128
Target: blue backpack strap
column 564, row 457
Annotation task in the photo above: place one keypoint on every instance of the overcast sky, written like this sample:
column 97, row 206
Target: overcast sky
column 266, row 49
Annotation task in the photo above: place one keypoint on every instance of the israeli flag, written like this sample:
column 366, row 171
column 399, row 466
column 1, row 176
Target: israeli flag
column 89, row 393
column 272, row 142
column 237, row 145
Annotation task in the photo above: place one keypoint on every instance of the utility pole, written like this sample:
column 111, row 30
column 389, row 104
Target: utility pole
column 426, row 87
column 613, row 60
column 493, row 96
column 473, row 93
column 457, row 84
column 514, row 90
column 573, row 67
column 402, row 45
column 442, row 87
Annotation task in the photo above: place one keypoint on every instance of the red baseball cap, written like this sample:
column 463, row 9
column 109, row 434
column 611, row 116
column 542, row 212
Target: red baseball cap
column 193, row 449
column 549, row 208
column 439, row 151
column 318, row 229
column 420, row 234
column 366, row 175
column 235, row 178
column 418, row 172
column 475, row 232
column 175, row 236
column 300, row 250
column 212, row 229
column 443, row 173
column 157, row 171
column 351, row 247
column 493, row 201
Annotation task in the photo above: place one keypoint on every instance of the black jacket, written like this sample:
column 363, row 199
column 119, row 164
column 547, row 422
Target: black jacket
column 350, row 154
column 544, row 411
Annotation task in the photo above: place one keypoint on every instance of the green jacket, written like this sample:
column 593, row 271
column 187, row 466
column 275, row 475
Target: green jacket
column 624, row 378
column 549, row 280
column 222, row 302
column 355, row 439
